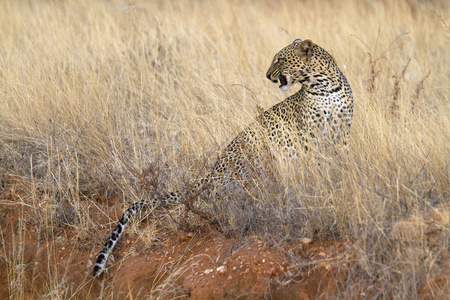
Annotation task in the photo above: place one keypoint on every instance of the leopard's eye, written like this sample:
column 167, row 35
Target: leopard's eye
column 280, row 60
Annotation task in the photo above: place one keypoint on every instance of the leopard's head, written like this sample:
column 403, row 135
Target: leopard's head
column 299, row 62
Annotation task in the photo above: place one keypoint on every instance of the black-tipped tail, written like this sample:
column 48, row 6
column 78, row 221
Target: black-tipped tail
column 115, row 236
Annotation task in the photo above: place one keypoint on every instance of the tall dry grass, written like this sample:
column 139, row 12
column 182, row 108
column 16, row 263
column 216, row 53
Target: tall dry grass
column 95, row 92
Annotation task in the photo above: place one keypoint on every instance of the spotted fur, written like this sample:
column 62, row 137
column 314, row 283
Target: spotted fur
column 322, row 107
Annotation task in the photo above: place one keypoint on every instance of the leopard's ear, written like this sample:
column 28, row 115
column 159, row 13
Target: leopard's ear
column 304, row 49
column 297, row 41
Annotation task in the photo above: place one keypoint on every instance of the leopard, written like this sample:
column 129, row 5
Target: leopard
column 321, row 109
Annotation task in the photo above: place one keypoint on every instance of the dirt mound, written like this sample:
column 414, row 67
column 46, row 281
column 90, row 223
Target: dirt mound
column 196, row 266
column 38, row 263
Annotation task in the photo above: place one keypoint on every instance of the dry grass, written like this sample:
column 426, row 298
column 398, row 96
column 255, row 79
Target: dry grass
column 94, row 92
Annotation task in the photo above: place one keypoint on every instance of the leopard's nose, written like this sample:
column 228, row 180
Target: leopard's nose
column 273, row 79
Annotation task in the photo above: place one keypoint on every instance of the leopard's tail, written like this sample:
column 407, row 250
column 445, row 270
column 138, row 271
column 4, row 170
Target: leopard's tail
column 135, row 208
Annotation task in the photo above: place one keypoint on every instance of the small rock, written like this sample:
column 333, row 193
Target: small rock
column 222, row 269
column 208, row 271
column 306, row 240
column 272, row 271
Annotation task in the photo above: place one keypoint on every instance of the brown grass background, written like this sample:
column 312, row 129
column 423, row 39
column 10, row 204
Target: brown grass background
column 96, row 94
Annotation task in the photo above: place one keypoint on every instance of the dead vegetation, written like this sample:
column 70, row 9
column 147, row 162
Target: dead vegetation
column 103, row 103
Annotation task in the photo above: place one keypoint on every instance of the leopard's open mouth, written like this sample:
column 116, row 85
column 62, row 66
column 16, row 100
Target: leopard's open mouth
column 283, row 81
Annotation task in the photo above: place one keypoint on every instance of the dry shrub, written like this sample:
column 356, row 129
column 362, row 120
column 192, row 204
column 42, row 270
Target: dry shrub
column 122, row 100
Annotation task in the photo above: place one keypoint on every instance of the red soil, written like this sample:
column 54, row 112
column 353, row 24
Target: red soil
column 185, row 265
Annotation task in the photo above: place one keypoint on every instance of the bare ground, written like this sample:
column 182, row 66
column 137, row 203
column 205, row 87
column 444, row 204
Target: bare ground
column 195, row 264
